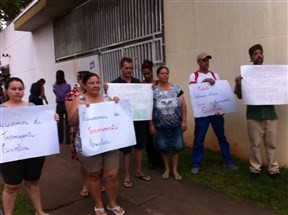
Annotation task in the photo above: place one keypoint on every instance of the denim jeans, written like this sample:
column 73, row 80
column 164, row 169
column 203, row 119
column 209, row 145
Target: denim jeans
column 201, row 127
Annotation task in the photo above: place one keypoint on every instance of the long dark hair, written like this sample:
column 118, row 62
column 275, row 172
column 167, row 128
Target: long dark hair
column 60, row 77
column 41, row 81
column 8, row 82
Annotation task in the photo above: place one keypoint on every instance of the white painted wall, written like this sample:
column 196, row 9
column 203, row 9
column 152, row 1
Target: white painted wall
column 226, row 30
column 32, row 58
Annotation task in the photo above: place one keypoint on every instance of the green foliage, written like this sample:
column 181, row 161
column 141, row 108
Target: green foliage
column 9, row 9
column 265, row 192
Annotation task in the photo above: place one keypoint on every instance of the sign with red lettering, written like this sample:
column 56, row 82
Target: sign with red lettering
column 104, row 127
column 214, row 99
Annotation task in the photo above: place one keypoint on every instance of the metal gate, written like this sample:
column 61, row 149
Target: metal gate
column 109, row 60
column 112, row 29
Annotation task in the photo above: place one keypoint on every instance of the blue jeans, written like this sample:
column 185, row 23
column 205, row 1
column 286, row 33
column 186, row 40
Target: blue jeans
column 201, row 127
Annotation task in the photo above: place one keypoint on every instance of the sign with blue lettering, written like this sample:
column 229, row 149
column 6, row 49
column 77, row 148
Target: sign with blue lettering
column 27, row 132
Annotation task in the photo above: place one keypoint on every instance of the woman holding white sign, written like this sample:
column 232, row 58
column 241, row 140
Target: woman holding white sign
column 29, row 169
column 169, row 121
column 104, row 165
column 75, row 93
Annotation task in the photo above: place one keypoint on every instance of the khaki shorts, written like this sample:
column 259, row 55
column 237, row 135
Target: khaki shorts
column 104, row 161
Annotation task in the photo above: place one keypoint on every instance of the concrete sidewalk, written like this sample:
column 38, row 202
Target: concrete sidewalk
column 61, row 185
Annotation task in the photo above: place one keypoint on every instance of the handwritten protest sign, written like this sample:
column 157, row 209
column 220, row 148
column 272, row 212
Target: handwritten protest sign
column 209, row 99
column 264, row 84
column 140, row 97
column 106, row 126
column 28, row 132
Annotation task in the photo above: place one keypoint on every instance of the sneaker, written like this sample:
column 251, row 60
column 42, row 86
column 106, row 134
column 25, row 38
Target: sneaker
column 275, row 176
column 254, row 176
column 195, row 170
column 230, row 166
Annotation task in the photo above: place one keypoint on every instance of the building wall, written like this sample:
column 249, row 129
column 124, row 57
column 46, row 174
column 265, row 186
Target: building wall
column 226, row 30
column 32, row 58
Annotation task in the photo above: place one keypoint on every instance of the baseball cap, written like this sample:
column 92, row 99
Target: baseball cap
column 254, row 48
column 203, row 55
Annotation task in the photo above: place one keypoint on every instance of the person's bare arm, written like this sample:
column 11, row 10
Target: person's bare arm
column 72, row 111
column 43, row 95
column 237, row 89
column 184, row 114
column 152, row 127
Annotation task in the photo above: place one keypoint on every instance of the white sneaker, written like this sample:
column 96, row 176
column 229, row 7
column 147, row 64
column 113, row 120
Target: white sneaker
column 195, row 170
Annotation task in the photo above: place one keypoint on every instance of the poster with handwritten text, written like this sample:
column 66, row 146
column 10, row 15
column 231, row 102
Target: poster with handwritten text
column 105, row 126
column 264, row 84
column 209, row 99
column 28, row 132
column 140, row 97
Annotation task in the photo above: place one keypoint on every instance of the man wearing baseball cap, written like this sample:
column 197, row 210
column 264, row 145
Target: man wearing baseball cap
column 203, row 74
column 261, row 125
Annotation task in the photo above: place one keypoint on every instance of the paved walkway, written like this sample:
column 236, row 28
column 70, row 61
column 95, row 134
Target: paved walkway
column 61, row 185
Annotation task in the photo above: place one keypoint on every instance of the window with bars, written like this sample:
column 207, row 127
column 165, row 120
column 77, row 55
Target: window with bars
column 112, row 29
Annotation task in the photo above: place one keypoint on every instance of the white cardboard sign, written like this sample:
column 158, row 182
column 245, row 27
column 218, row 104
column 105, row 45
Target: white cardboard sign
column 28, row 132
column 264, row 84
column 105, row 126
column 209, row 99
column 140, row 97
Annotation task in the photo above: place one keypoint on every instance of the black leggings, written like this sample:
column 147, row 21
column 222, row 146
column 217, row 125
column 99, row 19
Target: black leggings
column 28, row 169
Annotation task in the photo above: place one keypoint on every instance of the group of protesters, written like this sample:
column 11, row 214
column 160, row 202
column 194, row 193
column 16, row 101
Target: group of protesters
column 162, row 136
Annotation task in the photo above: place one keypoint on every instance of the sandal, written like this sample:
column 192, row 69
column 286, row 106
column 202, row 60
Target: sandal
column 100, row 211
column 128, row 184
column 84, row 192
column 178, row 177
column 165, row 175
column 146, row 178
column 117, row 210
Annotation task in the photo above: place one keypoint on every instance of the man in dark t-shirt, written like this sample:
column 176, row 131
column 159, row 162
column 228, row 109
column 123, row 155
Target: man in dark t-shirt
column 126, row 67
